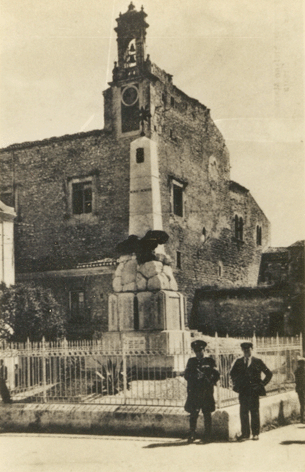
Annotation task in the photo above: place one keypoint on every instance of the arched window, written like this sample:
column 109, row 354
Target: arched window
column 130, row 59
column 258, row 235
column 236, row 226
column 203, row 235
column 239, row 227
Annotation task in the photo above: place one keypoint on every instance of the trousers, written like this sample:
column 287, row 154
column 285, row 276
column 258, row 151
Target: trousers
column 249, row 405
column 301, row 396
column 207, row 415
column 4, row 392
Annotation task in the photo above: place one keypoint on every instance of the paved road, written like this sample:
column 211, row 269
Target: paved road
column 280, row 450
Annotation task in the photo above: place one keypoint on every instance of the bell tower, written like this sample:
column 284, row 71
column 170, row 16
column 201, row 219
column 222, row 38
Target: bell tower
column 127, row 100
column 131, row 33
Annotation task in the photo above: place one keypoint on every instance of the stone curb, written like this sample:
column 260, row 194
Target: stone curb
column 135, row 420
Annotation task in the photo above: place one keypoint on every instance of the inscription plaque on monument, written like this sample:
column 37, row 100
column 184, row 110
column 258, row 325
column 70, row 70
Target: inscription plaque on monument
column 113, row 313
column 144, row 299
column 173, row 313
column 135, row 343
column 126, row 311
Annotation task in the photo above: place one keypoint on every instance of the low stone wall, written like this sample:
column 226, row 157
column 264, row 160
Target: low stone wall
column 273, row 409
column 135, row 420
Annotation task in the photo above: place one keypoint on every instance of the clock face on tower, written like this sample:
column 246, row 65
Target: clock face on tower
column 130, row 95
column 130, row 108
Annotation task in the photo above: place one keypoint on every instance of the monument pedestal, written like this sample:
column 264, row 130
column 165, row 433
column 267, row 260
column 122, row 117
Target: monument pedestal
column 146, row 311
column 148, row 321
column 162, row 310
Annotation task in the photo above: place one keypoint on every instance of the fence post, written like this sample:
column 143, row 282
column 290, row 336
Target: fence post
column 28, row 348
column 254, row 341
column 218, row 402
column 124, row 367
column 278, row 361
column 44, row 376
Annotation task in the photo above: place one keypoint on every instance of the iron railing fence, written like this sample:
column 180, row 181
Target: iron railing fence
column 94, row 372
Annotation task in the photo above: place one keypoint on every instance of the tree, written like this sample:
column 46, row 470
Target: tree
column 30, row 311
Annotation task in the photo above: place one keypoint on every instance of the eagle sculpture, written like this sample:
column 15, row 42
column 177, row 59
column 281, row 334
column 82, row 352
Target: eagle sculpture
column 143, row 247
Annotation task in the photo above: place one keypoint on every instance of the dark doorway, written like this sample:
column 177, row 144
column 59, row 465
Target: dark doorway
column 276, row 324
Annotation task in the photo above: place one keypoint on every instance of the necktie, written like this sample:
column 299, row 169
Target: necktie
column 247, row 362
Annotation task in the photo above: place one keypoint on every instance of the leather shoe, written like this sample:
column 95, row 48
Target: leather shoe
column 255, row 437
column 191, row 437
column 241, row 438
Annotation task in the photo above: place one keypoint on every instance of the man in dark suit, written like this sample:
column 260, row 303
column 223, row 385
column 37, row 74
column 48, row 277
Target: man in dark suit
column 300, row 385
column 201, row 376
column 4, row 391
column 246, row 378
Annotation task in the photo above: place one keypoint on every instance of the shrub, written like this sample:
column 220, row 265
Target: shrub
column 30, row 311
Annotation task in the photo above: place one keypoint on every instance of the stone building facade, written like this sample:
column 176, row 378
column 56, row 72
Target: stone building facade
column 72, row 193
column 275, row 306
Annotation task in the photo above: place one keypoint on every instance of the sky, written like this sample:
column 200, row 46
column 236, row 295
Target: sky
column 243, row 59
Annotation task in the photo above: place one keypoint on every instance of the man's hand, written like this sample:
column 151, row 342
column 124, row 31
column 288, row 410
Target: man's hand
column 200, row 374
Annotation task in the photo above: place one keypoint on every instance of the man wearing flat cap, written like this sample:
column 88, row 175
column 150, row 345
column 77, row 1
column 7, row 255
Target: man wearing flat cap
column 247, row 381
column 201, row 376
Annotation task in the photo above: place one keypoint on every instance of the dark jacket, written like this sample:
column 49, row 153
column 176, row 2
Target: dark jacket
column 200, row 391
column 300, row 379
column 247, row 381
column 4, row 391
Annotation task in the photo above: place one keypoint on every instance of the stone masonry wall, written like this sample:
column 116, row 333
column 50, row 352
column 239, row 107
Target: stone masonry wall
column 240, row 312
column 191, row 150
column 48, row 236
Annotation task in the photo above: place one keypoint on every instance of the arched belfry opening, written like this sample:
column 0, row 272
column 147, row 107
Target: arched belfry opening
column 131, row 34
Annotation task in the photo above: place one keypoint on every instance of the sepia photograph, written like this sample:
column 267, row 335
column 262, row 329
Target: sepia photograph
column 152, row 223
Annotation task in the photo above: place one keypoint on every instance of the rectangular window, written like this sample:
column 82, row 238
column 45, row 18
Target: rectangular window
column 178, row 200
column 140, row 155
column 178, row 260
column 172, row 101
column 82, row 198
column 77, row 305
